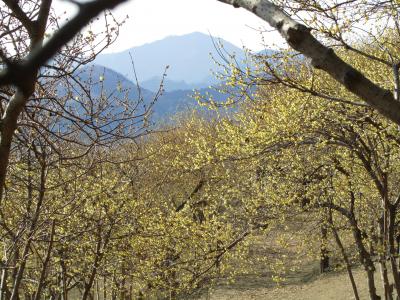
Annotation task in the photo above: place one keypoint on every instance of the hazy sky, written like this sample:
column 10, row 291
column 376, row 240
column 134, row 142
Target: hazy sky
column 151, row 20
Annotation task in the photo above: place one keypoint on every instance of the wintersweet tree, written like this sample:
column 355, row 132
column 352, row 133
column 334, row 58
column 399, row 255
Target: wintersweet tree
column 322, row 150
column 68, row 113
column 293, row 19
column 27, row 30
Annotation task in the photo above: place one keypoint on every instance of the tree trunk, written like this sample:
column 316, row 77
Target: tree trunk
column 345, row 257
column 392, row 248
column 365, row 259
column 32, row 228
column 324, row 258
column 45, row 263
column 4, row 292
column 100, row 248
column 97, row 258
column 104, row 287
column 387, row 287
column 97, row 290
column 64, row 291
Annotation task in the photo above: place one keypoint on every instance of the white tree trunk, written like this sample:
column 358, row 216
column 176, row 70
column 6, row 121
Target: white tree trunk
column 300, row 39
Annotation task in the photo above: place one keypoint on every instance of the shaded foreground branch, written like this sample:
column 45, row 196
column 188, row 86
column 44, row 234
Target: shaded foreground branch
column 16, row 73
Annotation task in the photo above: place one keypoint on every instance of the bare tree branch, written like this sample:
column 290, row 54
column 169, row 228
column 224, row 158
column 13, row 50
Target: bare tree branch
column 19, row 14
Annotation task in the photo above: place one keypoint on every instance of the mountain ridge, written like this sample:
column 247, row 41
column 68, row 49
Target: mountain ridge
column 188, row 58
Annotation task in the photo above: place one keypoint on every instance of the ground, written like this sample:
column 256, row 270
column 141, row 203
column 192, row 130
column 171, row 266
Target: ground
column 331, row 286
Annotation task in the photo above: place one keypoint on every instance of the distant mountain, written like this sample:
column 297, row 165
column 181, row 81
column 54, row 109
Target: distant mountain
column 174, row 102
column 154, row 83
column 187, row 56
column 103, row 80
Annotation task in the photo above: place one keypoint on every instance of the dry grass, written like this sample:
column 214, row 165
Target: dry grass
column 331, row 286
column 303, row 284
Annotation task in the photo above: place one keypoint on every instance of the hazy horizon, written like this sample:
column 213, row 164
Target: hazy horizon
column 154, row 20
